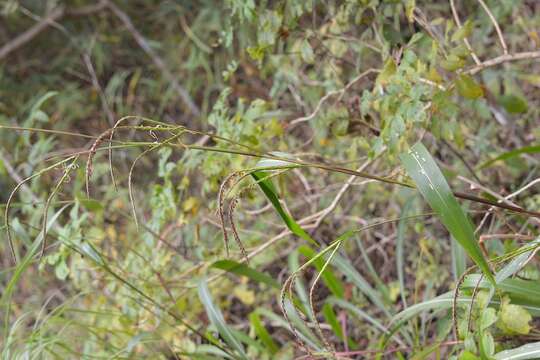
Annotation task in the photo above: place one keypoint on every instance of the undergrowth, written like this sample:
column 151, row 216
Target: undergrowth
column 361, row 186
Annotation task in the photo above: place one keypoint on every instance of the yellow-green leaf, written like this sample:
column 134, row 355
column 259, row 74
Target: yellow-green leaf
column 514, row 104
column 514, row 319
column 389, row 69
column 468, row 88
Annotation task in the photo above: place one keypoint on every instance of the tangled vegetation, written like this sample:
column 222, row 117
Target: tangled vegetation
column 283, row 179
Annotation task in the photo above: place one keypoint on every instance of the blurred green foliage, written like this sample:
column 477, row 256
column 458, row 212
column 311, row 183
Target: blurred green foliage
column 319, row 88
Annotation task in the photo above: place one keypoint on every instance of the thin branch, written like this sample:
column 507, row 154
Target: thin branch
column 340, row 92
column 44, row 23
column 324, row 213
column 158, row 62
column 496, row 25
column 464, row 161
column 475, row 185
column 31, row 33
column 99, row 89
column 526, row 55
column 465, row 40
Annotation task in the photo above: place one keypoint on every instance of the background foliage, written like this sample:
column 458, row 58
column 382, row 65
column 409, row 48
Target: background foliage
column 238, row 179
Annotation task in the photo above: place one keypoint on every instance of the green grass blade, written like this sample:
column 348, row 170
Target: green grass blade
column 459, row 260
column 353, row 309
column 5, row 299
column 305, row 334
column 269, row 190
column 526, row 292
column 517, row 262
column 302, row 299
column 360, row 282
column 525, row 352
column 207, row 352
column 374, row 275
column 244, row 270
column 511, row 154
column 433, row 186
column 262, row 333
column 400, row 249
column 216, row 318
column 332, row 320
column 332, row 282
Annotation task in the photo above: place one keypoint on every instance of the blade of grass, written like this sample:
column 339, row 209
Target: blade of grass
column 360, row 282
column 433, row 186
column 331, row 281
column 400, row 248
column 262, row 333
column 511, row 154
column 22, row 266
column 353, row 309
column 216, row 318
column 459, row 262
column 518, row 262
column 270, row 191
column 331, row 319
column 524, row 352
column 302, row 302
column 244, row 270
column 379, row 284
column 524, row 291
column 207, row 352
column 304, row 332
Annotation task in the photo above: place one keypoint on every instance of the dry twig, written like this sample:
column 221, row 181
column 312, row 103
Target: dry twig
column 465, row 40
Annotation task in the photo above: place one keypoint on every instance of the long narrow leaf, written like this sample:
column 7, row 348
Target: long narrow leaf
column 5, row 299
column 244, row 270
column 268, row 189
column 332, row 282
column 262, row 333
column 305, row 334
column 360, row 282
column 525, row 352
column 400, row 249
column 433, row 186
column 510, row 154
column 526, row 292
column 216, row 318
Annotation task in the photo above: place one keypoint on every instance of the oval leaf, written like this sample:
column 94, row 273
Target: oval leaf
column 468, row 88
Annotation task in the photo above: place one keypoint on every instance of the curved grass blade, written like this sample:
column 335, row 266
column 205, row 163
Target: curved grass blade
column 244, row 270
column 511, row 154
column 331, row 281
column 433, row 186
column 216, row 318
column 269, row 190
column 262, row 333
column 353, row 309
column 302, row 300
column 400, row 246
column 305, row 334
column 525, row 292
column 518, row 262
column 5, row 299
column 360, row 282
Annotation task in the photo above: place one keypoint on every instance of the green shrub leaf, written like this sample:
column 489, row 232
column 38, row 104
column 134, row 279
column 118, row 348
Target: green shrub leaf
column 468, row 88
